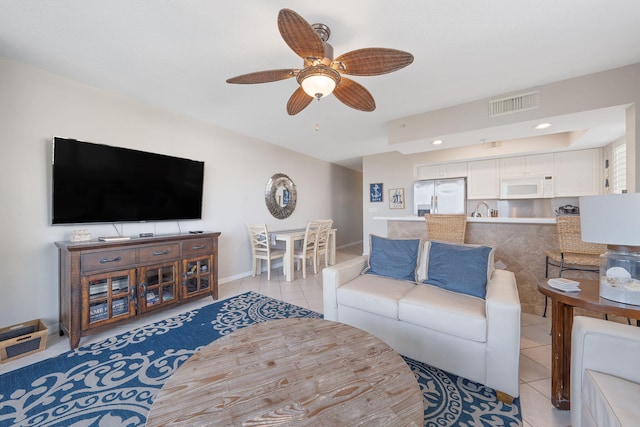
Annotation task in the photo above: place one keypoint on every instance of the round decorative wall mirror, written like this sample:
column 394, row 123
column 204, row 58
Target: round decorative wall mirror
column 280, row 196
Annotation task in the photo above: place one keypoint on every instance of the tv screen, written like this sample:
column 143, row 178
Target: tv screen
column 95, row 183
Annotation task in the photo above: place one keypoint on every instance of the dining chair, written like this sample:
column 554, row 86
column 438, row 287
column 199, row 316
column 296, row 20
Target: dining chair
column 308, row 249
column 446, row 228
column 322, row 248
column 574, row 253
column 262, row 250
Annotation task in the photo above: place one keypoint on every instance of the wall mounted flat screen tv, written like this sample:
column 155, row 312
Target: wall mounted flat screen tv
column 96, row 183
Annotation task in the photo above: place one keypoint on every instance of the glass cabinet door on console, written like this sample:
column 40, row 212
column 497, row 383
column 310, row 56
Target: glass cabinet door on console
column 158, row 286
column 108, row 297
column 197, row 276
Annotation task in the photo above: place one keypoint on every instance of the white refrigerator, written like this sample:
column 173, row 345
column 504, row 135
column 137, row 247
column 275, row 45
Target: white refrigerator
column 443, row 196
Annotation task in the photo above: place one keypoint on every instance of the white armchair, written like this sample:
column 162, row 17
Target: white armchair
column 605, row 376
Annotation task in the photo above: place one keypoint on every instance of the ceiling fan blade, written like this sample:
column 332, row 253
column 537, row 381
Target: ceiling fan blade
column 298, row 101
column 300, row 35
column 263, row 76
column 372, row 61
column 354, row 95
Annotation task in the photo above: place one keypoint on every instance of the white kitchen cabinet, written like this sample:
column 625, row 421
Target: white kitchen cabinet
column 448, row 170
column 526, row 166
column 577, row 173
column 483, row 179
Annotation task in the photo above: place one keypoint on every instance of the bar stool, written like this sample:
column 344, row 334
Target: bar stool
column 574, row 253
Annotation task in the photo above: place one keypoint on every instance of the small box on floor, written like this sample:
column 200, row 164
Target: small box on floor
column 22, row 339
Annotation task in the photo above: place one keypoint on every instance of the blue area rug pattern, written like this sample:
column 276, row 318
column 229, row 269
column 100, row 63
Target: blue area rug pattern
column 114, row 382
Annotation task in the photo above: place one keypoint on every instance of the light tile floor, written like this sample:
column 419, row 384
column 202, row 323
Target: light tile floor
column 535, row 354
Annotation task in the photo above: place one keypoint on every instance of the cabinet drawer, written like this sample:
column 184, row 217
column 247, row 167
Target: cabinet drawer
column 197, row 247
column 104, row 260
column 160, row 252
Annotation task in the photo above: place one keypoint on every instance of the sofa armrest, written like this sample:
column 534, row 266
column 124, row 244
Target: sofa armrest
column 602, row 346
column 503, row 331
column 336, row 276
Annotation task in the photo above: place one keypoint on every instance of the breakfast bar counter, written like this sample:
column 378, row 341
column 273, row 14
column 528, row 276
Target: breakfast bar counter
column 490, row 220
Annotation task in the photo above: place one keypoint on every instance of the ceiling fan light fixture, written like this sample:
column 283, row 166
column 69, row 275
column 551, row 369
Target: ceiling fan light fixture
column 319, row 80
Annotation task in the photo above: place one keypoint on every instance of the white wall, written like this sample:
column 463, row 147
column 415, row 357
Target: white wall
column 36, row 105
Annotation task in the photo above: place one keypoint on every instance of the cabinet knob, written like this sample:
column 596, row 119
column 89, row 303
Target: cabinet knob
column 106, row 260
column 157, row 253
column 195, row 248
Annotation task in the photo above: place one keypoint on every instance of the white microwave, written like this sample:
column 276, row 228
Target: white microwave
column 526, row 188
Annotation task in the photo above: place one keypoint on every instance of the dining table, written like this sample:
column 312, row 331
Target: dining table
column 290, row 237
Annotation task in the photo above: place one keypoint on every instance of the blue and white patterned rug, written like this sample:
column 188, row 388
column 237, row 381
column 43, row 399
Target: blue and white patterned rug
column 114, row 382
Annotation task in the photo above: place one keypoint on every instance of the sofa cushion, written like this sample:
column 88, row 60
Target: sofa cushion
column 459, row 268
column 608, row 400
column 448, row 312
column 423, row 263
column 374, row 294
column 393, row 258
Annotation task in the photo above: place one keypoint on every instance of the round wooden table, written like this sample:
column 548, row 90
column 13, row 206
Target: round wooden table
column 562, row 304
column 292, row 372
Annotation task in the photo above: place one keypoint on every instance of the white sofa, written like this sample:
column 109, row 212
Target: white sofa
column 478, row 339
column 605, row 377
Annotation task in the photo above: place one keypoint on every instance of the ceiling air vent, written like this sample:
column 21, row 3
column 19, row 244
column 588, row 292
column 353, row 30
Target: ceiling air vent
column 492, row 144
column 514, row 104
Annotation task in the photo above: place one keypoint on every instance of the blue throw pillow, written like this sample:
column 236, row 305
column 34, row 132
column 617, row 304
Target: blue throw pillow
column 394, row 258
column 459, row 268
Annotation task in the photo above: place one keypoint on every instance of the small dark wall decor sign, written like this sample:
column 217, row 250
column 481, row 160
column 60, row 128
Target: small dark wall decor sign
column 375, row 192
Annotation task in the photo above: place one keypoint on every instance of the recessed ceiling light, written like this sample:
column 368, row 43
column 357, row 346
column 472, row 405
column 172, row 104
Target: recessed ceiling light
column 542, row 126
column 437, row 142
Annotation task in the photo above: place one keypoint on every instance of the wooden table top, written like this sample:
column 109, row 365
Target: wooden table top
column 299, row 372
column 589, row 298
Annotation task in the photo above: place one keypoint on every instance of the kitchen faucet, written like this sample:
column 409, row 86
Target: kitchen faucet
column 476, row 212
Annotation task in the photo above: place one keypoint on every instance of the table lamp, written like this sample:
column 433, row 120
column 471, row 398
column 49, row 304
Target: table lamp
column 614, row 219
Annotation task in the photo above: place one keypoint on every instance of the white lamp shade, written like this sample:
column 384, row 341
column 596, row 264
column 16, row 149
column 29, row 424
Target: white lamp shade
column 613, row 219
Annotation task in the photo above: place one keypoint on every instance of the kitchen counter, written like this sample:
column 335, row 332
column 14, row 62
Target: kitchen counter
column 495, row 220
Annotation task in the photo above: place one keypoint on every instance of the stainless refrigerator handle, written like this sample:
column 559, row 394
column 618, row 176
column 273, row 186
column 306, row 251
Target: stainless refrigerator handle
column 431, row 207
column 436, row 204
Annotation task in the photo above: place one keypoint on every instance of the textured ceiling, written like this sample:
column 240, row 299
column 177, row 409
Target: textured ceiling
column 178, row 54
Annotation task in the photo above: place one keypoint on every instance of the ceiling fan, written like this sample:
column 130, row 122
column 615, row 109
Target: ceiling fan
column 321, row 73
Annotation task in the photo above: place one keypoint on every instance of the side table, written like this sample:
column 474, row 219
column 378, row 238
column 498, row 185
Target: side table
column 562, row 304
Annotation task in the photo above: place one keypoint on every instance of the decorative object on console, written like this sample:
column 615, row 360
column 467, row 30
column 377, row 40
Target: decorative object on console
column 613, row 219
column 80, row 236
column 321, row 74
